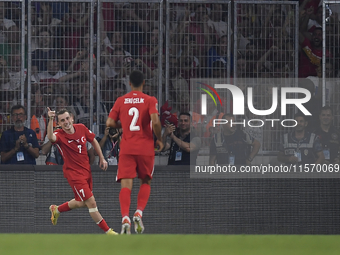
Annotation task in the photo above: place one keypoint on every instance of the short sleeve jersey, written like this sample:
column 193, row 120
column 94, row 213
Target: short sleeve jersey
column 74, row 151
column 134, row 110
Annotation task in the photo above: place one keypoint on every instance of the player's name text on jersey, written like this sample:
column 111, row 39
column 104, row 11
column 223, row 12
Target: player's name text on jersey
column 134, row 101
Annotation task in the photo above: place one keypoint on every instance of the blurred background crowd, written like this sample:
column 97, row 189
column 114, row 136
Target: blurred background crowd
column 79, row 55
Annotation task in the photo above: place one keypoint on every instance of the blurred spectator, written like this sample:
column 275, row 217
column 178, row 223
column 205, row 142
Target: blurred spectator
column 232, row 146
column 184, row 143
column 133, row 28
column 45, row 50
column 329, row 82
column 5, row 83
column 306, row 4
column 41, row 99
column 15, row 71
column 313, row 105
column 220, row 53
column 9, row 30
column 82, row 109
column 54, row 79
column 150, row 48
column 75, row 23
column 112, row 89
column 19, row 145
column 311, row 54
column 188, row 58
column 217, row 23
column 241, row 68
column 198, row 27
column 178, row 86
column 116, row 42
column 329, row 136
column 47, row 18
column 219, row 69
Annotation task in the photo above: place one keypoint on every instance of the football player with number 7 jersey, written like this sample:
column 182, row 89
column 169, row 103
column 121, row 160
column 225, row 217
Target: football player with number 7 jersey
column 71, row 142
column 137, row 114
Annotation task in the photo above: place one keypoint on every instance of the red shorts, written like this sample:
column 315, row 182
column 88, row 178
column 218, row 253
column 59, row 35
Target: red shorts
column 82, row 188
column 131, row 165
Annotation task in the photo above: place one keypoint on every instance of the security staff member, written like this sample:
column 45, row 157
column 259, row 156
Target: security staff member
column 329, row 136
column 300, row 146
column 232, row 146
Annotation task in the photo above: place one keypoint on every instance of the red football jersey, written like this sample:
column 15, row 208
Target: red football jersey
column 134, row 110
column 73, row 149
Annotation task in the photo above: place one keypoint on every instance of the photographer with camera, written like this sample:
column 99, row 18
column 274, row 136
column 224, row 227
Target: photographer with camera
column 109, row 143
column 183, row 141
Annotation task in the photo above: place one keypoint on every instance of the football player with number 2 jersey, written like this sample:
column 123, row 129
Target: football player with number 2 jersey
column 137, row 114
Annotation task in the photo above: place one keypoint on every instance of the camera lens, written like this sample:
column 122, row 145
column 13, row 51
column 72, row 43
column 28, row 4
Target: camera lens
column 112, row 131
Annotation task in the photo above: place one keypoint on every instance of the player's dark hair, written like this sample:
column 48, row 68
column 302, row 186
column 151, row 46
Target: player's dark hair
column 17, row 107
column 136, row 78
column 62, row 111
column 326, row 108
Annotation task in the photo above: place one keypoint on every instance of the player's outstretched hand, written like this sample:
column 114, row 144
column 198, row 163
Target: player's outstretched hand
column 51, row 114
column 159, row 146
column 103, row 164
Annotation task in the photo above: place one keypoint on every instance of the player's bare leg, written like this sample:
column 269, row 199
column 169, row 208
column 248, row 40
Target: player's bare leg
column 125, row 201
column 67, row 206
column 97, row 217
column 142, row 200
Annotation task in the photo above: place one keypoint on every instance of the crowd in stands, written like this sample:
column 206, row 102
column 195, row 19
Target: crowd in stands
column 202, row 44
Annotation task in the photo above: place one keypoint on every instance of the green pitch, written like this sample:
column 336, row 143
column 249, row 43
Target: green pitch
column 53, row 244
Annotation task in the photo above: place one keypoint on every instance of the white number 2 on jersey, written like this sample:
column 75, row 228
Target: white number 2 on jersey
column 135, row 113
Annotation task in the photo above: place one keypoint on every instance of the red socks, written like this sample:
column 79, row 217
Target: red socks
column 142, row 199
column 102, row 224
column 125, row 200
column 64, row 207
column 143, row 196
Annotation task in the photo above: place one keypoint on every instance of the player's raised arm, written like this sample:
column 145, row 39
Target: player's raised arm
column 51, row 116
column 157, row 129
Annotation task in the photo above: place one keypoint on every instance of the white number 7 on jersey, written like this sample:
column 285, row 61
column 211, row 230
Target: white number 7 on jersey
column 135, row 113
column 82, row 192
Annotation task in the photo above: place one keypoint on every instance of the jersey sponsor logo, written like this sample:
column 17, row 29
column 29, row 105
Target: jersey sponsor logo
column 134, row 101
column 78, row 140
